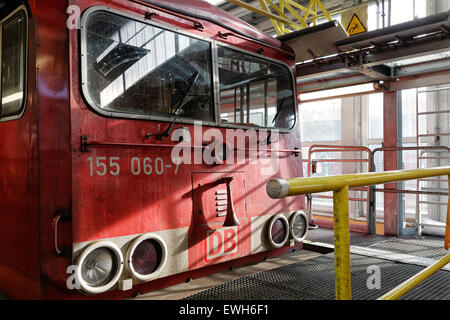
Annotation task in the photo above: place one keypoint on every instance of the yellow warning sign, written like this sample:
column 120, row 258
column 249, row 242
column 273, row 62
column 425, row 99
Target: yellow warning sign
column 355, row 26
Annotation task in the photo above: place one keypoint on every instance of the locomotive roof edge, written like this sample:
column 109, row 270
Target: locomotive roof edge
column 205, row 11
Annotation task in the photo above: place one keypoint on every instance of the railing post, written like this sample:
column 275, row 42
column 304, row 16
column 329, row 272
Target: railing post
column 342, row 244
column 372, row 219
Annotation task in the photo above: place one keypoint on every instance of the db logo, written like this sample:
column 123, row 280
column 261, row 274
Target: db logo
column 221, row 242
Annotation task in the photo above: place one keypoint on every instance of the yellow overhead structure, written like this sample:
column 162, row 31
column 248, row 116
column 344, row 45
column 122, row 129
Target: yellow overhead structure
column 277, row 13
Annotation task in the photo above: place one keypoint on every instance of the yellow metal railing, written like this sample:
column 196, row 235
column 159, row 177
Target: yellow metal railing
column 411, row 283
column 280, row 20
column 281, row 188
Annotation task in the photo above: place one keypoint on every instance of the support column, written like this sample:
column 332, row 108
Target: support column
column 390, row 126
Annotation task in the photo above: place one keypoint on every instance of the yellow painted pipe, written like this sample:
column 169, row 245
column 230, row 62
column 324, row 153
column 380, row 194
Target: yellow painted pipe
column 281, row 188
column 279, row 10
column 301, row 7
column 314, row 14
column 294, row 13
column 341, row 245
column 315, row 9
column 264, row 13
column 324, row 10
column 411, row 283
column 277, row 28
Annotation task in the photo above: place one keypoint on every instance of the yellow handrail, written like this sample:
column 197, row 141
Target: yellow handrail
column 281, row 188
column 411, row 283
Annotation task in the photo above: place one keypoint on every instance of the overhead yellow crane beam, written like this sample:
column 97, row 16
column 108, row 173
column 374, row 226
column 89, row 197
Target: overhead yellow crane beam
column 280, row 20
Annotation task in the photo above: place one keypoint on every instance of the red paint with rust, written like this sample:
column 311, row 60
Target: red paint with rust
column 44, row 170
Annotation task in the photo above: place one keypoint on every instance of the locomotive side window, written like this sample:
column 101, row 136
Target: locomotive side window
column 137, row 69
column 254, row 91
column 13, row 62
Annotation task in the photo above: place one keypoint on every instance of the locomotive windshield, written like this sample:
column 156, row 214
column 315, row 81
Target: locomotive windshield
column 254, row 91
column 134, row 69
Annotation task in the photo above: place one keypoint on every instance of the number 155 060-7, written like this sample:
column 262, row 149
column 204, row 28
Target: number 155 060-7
column 102, row 166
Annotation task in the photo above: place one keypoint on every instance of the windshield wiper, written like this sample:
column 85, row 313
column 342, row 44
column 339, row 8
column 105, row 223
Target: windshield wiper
column 269, row 136
column 279, row 111
column 178, row 110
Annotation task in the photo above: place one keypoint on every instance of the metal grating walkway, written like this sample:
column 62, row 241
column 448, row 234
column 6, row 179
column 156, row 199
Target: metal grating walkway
column 325, row 235
column 424, row 246
column 313, row 279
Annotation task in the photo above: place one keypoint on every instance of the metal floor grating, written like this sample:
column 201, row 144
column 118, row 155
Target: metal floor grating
column 325, row 235
column 421, row 247
column 424, row 246
column 313, row 279
column 183, row 290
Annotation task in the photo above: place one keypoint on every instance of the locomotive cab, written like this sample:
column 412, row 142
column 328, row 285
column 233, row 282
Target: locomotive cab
column 143, row 134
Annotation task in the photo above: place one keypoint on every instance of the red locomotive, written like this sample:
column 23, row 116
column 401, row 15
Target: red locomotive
column 121, row 130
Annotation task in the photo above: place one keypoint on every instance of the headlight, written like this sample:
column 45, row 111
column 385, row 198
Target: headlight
column 278, row 231
column 147, row 256
column 298, row 226
column 99, row 267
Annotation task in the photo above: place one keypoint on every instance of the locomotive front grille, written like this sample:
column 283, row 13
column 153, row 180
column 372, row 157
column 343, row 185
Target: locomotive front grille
column 221, row 203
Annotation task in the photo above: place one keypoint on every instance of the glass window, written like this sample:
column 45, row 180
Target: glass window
column 321, row 121
column 13, row 61
column 373, row 19
column 139, row 69
column 409, row 105
column 376, row 123
column 254, row 91
column 407, row 10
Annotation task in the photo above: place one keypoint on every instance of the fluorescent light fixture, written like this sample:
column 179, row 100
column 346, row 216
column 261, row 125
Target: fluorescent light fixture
column 331, row 93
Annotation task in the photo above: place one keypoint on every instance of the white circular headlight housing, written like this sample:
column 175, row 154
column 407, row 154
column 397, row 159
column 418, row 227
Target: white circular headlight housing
column 298, row 226
column 147, row 256
column 278, row 230
column 99, row 267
